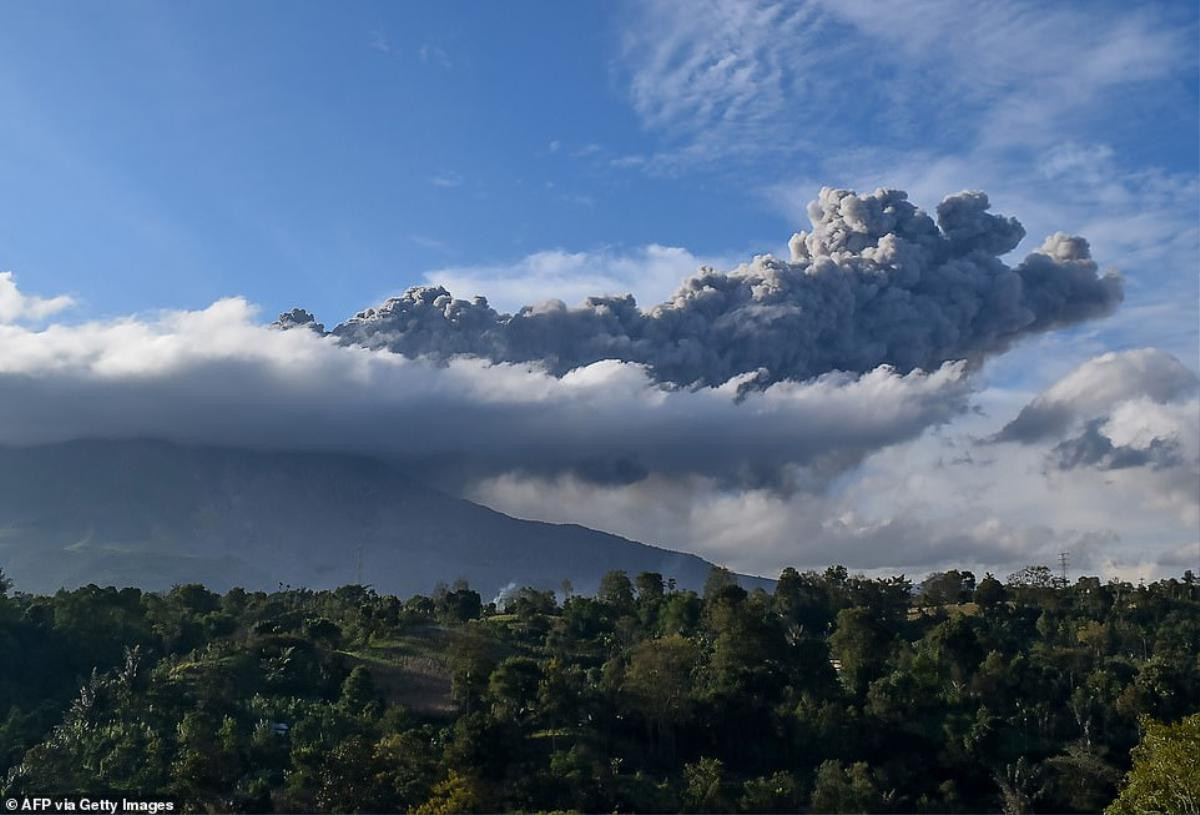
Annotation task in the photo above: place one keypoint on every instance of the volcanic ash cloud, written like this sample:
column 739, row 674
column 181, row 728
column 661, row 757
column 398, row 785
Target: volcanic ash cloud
column 876, row 282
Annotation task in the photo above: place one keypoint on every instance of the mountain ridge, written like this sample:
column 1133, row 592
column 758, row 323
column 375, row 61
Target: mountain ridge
column 153, row 514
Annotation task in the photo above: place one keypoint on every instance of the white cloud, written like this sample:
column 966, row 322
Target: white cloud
column 446, row 180
column 15, row 305
column 1129, row 421
column 1020, row 71
column 1099, row 386
column 651, row 273
column 711, row 76
column 433, row 54
column 935, row 502
column 217, row 376
column 941, row 499
column 878, row 471
column 727, row 78
column 379, row 42
column 761, row 531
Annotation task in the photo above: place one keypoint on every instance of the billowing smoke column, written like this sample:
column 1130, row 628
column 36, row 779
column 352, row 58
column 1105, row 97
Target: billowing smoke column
column 876, row 282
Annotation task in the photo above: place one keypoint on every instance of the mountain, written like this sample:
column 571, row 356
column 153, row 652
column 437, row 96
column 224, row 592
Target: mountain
column 154, row 514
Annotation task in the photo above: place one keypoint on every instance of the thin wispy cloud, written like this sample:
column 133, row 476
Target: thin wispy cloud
column 434, row 55
column 710, row 77
column 577, row 199
column 447, row 180
column 725, row 79
column 1016, row 72
column 379, row 42
column 427, row 242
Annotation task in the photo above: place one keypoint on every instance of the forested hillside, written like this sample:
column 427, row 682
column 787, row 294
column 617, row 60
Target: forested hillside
column 834, row 693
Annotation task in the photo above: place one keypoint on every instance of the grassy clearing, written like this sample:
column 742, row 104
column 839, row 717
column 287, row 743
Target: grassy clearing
column 410, row 670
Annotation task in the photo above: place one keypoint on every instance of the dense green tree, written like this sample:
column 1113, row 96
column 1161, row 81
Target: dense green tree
column 460, row 605
column 777, row 792
column 1166, row 771
column 651, row 592
column 1021, row 783
column 681, row 613
column 528, row 603
column 359, row 695
column 1038, row 577
column 861, row 644
column 944, row 588
column 659, row 681
column 834, row 692
column 706, row 788
column 616, row 591
column 990, row 592
column 804, row 601
column 406, row 768
column 1080, row 780
column 845, row 789
column 471, row 662
column 457, row 792
column 512, row 688
column 718, row 580
column 650, row 588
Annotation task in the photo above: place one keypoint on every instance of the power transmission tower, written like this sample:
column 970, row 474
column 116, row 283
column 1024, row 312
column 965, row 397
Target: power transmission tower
column 358, row 570
column 1064, row 562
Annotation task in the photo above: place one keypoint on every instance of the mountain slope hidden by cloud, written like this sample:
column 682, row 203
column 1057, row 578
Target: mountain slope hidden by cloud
column 153, row 514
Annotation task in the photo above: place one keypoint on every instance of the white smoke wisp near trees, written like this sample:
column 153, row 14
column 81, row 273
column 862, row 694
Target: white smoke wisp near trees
column 877, row 282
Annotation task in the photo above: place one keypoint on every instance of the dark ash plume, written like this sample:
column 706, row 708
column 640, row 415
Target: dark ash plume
column 877, row 282
column 299, row 318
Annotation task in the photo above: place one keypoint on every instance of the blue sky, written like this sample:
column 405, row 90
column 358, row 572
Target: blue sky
column 162, row 155
column 326, row 155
